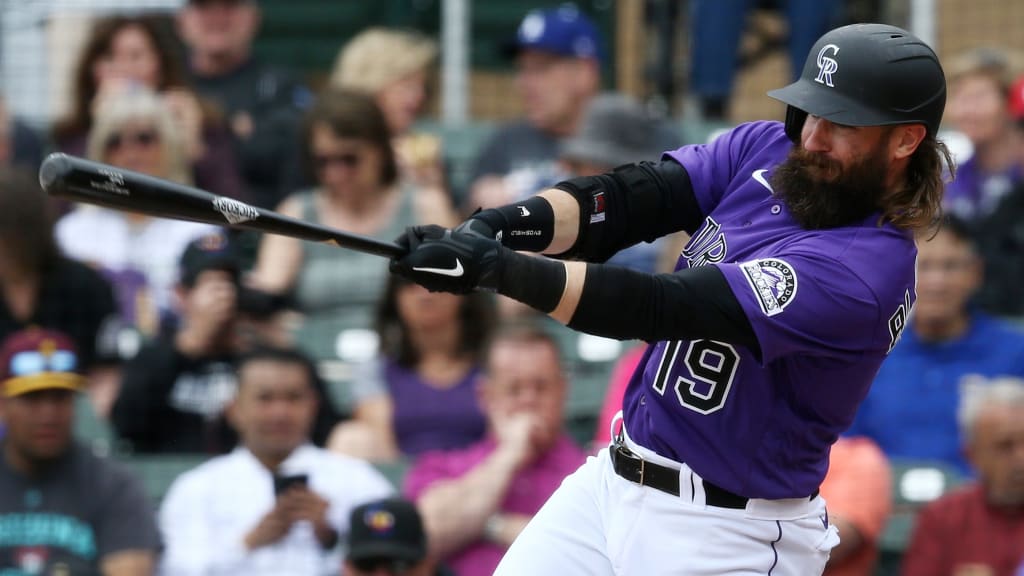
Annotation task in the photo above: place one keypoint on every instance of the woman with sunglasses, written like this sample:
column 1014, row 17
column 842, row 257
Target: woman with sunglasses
column 127, row 52
column 134, row 130
column 358, row 189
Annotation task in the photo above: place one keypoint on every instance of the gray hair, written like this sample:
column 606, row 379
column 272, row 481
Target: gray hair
column 140, row 105
column 978, row 394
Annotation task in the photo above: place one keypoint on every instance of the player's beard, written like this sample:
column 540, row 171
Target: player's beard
column 821, row 193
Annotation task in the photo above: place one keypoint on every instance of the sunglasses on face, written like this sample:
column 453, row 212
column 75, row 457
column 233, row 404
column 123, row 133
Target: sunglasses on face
column 34, row 362
column 348, row 160
column 143, row 138
column 389, row 565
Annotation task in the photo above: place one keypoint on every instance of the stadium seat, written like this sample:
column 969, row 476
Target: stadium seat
column 394, row 471
column 91, row 430
column 158, row 471
column 915, row 484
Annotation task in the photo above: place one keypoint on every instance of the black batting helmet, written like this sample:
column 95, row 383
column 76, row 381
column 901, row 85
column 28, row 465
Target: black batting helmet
column 867, row 75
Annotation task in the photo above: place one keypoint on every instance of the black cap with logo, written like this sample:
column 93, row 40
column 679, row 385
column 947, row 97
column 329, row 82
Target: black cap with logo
column 388, row 530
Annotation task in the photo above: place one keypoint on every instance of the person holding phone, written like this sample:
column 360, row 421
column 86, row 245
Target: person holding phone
column 276, row 504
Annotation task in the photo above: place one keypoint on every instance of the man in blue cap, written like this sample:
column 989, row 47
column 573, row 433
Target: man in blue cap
column 557, row 55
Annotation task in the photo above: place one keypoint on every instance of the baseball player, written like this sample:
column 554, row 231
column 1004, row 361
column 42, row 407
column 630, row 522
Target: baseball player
column 795, row 285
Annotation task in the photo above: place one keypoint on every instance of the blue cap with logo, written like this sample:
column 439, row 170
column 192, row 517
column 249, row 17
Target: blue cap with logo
column 563, row 31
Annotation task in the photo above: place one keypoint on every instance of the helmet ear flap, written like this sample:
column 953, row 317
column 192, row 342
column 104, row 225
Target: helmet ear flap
column 795, row 119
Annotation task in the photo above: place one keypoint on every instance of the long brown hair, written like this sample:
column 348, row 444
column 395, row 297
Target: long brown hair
column 476, row 321
column 26, row 223
column 98, row 45
column 917, row 204
column 351, row 114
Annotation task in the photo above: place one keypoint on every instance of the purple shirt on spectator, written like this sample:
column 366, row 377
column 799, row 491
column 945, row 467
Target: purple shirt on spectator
column 430, row 418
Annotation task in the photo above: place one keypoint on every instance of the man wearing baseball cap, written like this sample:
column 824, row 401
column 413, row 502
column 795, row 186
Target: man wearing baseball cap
column 174, row 391
column 62, row 509
column 558, row 54
column 387, row 537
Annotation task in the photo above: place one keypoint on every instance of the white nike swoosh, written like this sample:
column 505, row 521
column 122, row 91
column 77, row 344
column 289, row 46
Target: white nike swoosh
column 453, row 272
column 759, row 176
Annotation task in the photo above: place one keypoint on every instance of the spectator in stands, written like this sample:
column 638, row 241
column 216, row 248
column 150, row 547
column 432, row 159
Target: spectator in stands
column 139, row 254
column 175, row 390
column 715, row 33
column 395, row 67
column 911, row 408
column 43, row 288
column 276, row 504
column 263, row 104
column 358, row 191
column 62, row 509
column 979, row 529
column 387, row 537
column 616, row 130
column 858, row 491
column 1001, row 234
column 978, row 106
column 126, row 52
column 553, row 47
column 476, row 500
column 20, row 146
column 420, row 394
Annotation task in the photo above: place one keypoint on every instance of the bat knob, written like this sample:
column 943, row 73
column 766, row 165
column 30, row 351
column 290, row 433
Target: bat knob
column 53, row 172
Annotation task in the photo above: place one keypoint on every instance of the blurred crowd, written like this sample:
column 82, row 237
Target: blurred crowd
column 343, row 421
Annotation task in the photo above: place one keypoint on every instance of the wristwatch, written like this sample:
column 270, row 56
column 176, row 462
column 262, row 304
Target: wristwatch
column 494, row 528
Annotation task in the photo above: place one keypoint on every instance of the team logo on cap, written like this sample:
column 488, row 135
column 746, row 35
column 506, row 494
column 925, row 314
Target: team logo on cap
column 773, row 281
column 379, row 520
column 827, row 65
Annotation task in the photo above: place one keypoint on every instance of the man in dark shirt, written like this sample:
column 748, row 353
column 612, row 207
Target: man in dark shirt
column 262, row 104
column 62, row 509
column 43, row 288
column 174, row 391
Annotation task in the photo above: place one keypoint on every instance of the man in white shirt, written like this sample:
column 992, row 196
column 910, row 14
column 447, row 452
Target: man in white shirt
column 276, row 504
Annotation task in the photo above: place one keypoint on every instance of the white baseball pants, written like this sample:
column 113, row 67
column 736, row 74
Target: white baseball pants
column 600, row 524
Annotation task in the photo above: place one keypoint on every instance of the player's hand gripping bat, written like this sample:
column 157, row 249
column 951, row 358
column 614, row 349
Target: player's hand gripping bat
column 97, row 183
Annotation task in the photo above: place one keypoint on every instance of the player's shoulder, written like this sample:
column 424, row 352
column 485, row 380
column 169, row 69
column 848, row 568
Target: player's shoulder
column 759, row 133
column 863, row 246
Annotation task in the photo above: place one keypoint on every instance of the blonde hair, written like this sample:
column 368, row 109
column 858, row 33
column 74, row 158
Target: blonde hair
column 140, row 105
column 379, row 56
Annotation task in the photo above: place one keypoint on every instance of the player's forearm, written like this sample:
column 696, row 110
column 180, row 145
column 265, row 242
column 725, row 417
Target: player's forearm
column 575, row 278
column 455, row 512
column 567, row 220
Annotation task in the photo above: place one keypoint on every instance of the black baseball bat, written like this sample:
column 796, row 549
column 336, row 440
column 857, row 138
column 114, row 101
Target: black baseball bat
column 104, row 185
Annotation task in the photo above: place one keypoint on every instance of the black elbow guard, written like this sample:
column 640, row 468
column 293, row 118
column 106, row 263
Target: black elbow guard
column 633, row 203
column 590, row 193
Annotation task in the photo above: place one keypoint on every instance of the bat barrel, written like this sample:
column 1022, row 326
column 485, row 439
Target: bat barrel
column 104, row 185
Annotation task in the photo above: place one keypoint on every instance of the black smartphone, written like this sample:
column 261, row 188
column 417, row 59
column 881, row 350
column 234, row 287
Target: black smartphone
column 282, row 483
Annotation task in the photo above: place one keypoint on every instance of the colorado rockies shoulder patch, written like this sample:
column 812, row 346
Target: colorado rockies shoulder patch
column 773, row 282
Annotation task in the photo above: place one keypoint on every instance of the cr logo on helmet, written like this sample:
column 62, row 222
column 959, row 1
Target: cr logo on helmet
column 827, row 66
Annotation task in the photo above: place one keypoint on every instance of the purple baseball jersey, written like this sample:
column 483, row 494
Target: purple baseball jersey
column 826, row 306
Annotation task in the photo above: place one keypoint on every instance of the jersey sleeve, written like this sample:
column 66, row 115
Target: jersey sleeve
column 805, row 304
column 714, row 165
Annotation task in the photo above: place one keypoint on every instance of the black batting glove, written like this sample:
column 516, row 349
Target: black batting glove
column 443, row 260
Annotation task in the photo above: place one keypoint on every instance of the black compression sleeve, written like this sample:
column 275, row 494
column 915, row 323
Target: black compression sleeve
column 690, row 304
column 634, row 203
column 528, row 225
